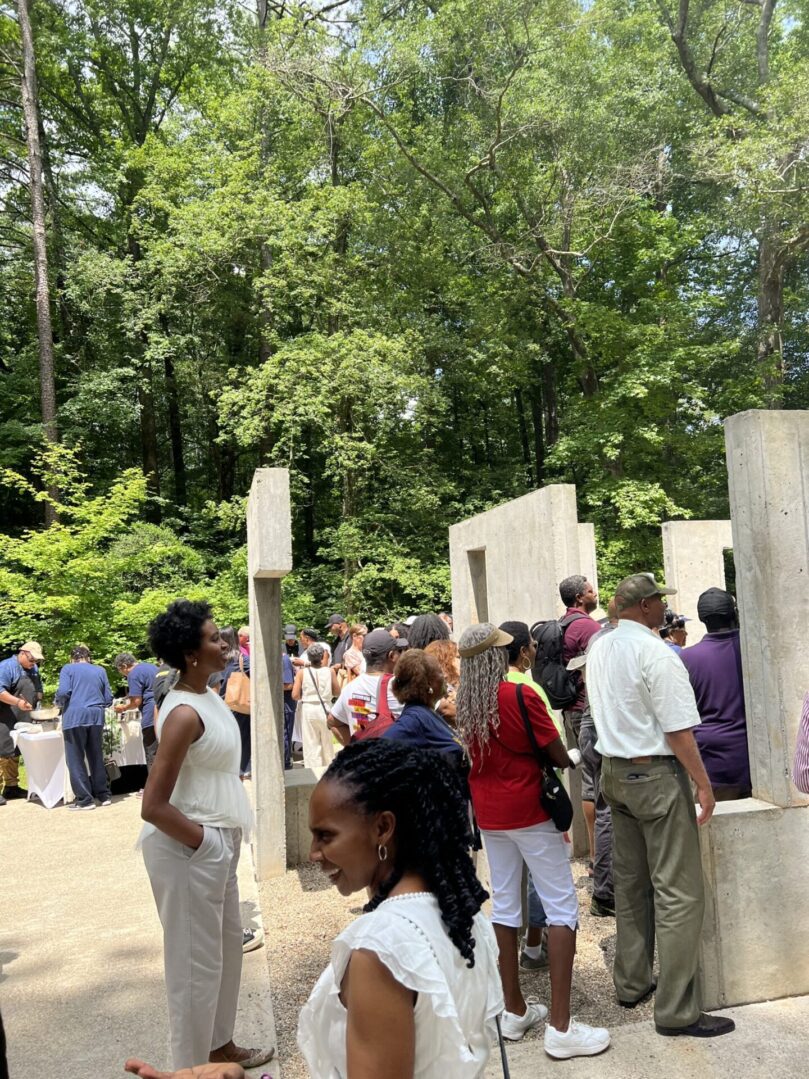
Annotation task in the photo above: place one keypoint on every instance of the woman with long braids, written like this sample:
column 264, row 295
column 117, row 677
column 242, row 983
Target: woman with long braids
column 505, row 781
column 412, row 989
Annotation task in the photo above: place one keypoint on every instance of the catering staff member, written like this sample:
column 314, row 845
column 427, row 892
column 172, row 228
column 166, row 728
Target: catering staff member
column 20, row 689
column 83, row 694
column 140, row 678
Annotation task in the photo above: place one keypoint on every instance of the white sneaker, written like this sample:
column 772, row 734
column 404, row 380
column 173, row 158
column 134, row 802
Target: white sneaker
column 514, row 1026
column 578, row 1040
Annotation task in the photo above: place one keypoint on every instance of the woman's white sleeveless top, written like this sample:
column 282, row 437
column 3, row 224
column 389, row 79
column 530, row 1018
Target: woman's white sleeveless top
column 208, row 789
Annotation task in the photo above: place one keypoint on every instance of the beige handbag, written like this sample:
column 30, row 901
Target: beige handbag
column 237, row 691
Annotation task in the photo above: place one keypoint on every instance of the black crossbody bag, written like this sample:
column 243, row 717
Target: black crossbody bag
column 553, row 797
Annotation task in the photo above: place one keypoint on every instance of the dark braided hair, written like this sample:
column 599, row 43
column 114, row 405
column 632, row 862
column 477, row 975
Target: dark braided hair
column 433, row 835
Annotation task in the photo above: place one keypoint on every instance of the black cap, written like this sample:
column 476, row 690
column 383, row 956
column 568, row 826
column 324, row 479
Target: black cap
column 378, row 643
column 716, row 602
column 336, row 619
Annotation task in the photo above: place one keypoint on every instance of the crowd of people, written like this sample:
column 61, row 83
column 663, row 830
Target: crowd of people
column 428, row 749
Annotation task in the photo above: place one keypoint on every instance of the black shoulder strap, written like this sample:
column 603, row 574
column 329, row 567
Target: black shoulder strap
column 565, row 622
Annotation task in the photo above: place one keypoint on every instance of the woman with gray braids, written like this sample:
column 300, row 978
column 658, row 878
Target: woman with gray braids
column 505, row 782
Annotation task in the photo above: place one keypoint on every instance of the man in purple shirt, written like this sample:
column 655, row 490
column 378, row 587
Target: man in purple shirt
column 714, row 667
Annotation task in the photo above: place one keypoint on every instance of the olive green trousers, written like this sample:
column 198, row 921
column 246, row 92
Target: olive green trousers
column 659, row 891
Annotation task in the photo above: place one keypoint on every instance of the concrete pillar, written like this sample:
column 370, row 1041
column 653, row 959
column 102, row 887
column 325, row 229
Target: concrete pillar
column 768, row 462
column 269, row 559
column 693, row 559
column 587, row 554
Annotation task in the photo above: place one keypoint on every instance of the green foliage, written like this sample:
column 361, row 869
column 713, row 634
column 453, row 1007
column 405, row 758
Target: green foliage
column 100, row 574
column 426, row 258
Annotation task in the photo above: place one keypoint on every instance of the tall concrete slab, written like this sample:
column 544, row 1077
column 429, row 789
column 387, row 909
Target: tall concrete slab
column 587, row 554
column 507, row 563
column 269, row 559
column 768, row 478
column 693, row 560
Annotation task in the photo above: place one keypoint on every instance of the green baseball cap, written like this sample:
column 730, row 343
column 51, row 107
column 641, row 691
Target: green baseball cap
column 639, row 586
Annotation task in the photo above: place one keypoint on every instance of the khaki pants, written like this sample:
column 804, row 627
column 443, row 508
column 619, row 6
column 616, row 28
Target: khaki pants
column 197, row 897
column 9, row 772
column 658, row 884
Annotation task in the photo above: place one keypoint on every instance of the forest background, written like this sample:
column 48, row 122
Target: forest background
column 427, row 255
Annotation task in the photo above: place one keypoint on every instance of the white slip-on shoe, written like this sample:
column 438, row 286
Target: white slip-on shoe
column 514, row 1026
column 579, row 1040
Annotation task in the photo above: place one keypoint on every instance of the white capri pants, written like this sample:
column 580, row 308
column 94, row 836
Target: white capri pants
column 542, row 847
column 197, row 897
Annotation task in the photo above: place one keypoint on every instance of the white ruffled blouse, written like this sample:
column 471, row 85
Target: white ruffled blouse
column 208, row 789
column 455, row 1007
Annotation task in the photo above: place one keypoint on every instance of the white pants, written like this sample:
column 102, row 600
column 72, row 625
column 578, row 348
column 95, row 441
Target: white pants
column 543, row 850
column 197, row 897
column 318, row 744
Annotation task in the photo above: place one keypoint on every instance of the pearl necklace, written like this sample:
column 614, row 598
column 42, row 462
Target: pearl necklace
column 405, row 895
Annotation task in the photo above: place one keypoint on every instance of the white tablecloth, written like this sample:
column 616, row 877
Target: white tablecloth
column 44, row 756
column 131, row 751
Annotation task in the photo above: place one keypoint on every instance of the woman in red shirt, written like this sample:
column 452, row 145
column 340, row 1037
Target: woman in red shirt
column 505, row 782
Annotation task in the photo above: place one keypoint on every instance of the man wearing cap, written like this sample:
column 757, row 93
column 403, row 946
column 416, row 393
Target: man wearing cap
column 361, row 701
column 714, row 667
column 291, row 640
column 339, row 627
column 645, row 715
column 20, row 688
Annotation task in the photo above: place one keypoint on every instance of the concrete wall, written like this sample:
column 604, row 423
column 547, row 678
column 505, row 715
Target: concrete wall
column 298, row 788
column 693, row 561
column 587, row 554
column 755, row 941
column 768, row 466
column 507, row 563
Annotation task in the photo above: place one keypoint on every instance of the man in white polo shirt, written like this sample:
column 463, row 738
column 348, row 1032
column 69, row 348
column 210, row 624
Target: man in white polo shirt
column 644, row 712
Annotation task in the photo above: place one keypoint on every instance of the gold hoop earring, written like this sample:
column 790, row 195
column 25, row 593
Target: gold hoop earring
column 382, row 852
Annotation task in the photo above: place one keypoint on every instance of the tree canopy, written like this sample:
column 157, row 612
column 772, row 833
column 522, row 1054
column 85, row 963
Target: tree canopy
column 427, row 254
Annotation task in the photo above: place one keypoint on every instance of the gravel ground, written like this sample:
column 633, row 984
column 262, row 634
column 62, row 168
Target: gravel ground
column 303, row 913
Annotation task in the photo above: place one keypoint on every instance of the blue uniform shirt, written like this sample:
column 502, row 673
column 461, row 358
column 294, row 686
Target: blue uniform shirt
column 141, row 684
column 83, row 693
column 11, row 672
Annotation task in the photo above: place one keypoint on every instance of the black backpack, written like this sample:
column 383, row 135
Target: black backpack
column 549, row 670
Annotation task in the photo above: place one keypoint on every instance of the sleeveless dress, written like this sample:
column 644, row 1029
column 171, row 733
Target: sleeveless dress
column 318, row 743
column 208, row 789
column 455, row 1007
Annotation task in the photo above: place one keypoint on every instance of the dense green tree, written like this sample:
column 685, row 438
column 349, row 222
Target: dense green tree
column 425, row 256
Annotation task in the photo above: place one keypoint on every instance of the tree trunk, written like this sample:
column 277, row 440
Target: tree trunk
column 523, row 427
column 175, row 427
column 265, row 251
column 30, row 104
column 551, row 408
column 148, row 436
column 539, row 435
column 770, row 312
